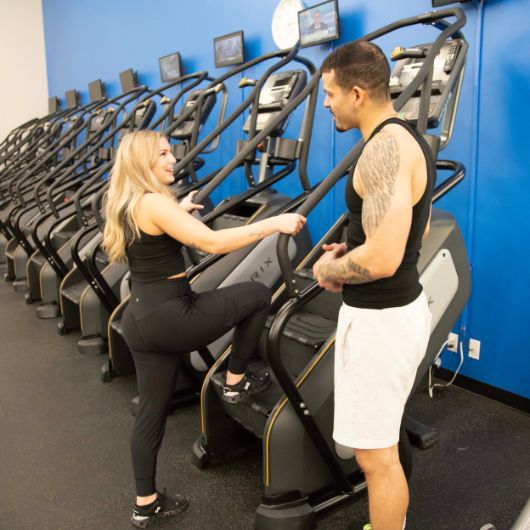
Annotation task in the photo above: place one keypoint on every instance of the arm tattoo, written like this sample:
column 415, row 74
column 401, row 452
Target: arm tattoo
column 345, row 270
column 378, row 168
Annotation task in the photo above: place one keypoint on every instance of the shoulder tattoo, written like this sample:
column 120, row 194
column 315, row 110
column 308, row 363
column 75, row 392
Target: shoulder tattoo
column 378, row 169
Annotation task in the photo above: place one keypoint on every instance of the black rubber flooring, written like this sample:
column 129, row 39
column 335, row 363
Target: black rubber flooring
column 64, row 449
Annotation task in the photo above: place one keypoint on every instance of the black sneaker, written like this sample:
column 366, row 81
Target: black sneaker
column 163, row 506
column 252, row 383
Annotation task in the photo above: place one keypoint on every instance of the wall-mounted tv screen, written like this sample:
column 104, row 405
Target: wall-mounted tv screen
column 170, row 67
column 318, row 24
column 72, row 99
column 53, row 104
column 96, row 90
column 229, row 49
column 128, row 80
column 440, row 3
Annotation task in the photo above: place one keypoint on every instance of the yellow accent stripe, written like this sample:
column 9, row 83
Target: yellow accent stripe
column 123, row 302
column 27, row 266
column 284, row 402
column 47, row 264
column 15, row 260
column 83, row 294
column 220, row 359
column 61, row 285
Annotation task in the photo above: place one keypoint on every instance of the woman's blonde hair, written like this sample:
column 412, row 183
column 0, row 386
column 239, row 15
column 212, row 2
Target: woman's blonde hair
column 131, row 177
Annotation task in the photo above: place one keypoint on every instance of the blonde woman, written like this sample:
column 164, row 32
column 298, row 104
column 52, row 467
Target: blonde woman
column 165, row 318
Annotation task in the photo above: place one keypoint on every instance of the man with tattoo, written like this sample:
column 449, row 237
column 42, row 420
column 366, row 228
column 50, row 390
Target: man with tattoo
column 384, row 323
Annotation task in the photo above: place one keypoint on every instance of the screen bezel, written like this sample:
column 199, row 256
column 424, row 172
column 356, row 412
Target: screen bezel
column 237, row 60
column 69, row 94
column 160, row 59
column 442, row 3
column 96, row 88
column 327, row 38
column 125, row 78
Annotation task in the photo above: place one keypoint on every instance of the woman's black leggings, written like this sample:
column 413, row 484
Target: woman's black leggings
column 165, row 319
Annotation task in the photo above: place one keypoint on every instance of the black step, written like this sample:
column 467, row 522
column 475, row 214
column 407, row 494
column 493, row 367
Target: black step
column 73, row 292
column 307, row 328
column 252, row 414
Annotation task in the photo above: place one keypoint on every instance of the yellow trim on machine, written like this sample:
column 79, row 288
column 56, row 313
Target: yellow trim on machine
column 284, row 402
column 203, row 388
column 110, row 320
column 83, row 294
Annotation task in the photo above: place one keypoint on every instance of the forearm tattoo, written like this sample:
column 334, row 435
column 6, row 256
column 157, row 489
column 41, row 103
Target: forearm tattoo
column 378, row 169
column 344, row 270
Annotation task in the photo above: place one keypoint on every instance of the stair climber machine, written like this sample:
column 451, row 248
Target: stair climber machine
column 275, row 157
column 35, row 156
column 59, row 223
column 302, row 474
column 90, row 290
column 26, row 187
column 22, row 142
column 30, row 140
column 76, row 227
column 56, row 195
column 24, row 139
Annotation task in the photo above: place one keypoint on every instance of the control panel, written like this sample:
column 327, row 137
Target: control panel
column 447, row 66
column 277, row 91
column 185, row 129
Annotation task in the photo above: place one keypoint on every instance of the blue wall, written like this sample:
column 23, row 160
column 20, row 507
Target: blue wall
column 97, row 39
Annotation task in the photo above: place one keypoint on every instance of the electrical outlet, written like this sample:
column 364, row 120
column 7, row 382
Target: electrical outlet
column 452, row 342
column 474, row 349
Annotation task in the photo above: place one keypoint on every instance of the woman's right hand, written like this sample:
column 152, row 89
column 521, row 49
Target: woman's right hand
column 290, row 223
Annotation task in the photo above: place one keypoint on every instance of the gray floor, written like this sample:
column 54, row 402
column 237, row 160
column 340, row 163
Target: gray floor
column 64, row 455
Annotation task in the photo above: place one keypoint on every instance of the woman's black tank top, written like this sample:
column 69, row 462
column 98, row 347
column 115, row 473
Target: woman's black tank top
column 403, row 287
column 153, row 258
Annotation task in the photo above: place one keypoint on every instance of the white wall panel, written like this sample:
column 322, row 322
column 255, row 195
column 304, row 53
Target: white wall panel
column 23, row 82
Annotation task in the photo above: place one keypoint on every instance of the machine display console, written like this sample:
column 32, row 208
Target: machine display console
column 170, row 67
column 185, row 129
column 96, row 90
column 319, row 23
column 274, row 96
column 229, row 49
column 128, row 80
column 409, row 62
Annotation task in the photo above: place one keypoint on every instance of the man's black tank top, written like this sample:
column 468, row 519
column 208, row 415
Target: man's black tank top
column 403, row 287
column 153, row 258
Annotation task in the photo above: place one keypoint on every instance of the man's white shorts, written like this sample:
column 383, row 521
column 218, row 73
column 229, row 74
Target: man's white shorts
column 377, row 354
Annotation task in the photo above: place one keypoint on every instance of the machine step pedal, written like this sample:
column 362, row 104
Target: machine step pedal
column 252, row 414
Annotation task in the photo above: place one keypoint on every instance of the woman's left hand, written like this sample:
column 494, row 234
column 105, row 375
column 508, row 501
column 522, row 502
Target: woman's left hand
column 188, row 204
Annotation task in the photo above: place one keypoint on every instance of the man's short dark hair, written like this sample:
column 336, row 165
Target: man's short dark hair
column 361, row 64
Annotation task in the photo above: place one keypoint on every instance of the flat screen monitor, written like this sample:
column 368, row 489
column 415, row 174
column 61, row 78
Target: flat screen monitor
column 96, row 90
column 72, row 99
column 440, row 3
column 53, row 104
column 229, row 49
column 128, row 80
column 170, row 67
column 319, row 23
